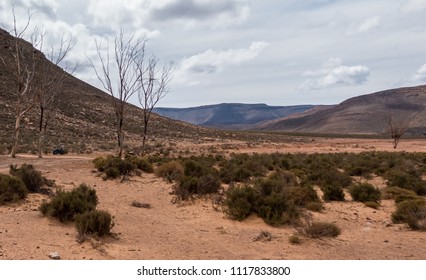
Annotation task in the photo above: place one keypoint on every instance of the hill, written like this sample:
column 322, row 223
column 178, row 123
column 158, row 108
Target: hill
column 230, row 115
column 84, row 117
column 366, row 114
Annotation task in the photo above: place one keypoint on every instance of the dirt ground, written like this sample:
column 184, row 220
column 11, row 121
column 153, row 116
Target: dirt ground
column 195, row 230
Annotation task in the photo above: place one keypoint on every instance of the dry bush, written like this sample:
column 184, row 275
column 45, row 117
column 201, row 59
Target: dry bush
column 32, row 178
column 307, row 227
column 411, row 212
column 66, row 206
column 364, row 192
column 94, row 222
column 171, row 171
column 12, row 189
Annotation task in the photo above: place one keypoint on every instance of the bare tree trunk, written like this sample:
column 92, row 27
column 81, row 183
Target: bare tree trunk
column 120, row 137
column 145, row 132
column 41, row 133
column 16, row 136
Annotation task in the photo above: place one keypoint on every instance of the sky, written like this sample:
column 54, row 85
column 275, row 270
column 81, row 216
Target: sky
column 278, row 52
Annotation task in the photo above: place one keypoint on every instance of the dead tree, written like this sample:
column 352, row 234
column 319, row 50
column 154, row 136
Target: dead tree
column 23, row 70
column 396, row 128
column 50, row 82
column 128, row 55
column 154, row 82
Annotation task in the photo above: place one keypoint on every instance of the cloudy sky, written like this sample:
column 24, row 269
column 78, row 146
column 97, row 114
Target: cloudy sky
column 279, row 52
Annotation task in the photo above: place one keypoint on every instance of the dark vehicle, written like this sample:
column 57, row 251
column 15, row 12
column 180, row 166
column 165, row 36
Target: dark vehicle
column 59, row 151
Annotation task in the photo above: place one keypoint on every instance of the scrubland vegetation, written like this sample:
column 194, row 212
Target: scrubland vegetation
column 279, row 187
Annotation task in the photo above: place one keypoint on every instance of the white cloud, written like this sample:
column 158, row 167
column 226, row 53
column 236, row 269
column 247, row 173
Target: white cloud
column 192, row 69
column 364, row 26
column 420, row 75
column 413, row 6
column 334, row 74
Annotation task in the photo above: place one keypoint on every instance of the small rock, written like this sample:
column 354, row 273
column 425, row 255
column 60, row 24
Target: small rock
column 386, row 241
column 54, row 256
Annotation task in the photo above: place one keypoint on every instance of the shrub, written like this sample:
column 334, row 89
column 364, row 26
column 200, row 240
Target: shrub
column 411, row 212
column 364, row 192
column 114, row 166
column 301, row 196
column 94, row 222
column 314, row 206
column 112, row 173
column 239, row 202
column 294, row 239
column 12, row 189
column 171, row 171
column 189, row 186
column 322, row 229
column 208, row 184
column 333, row 192
column 392, row 192
column 403, row 197
column 32, row 178
column 271, row 208
column 142, row 164
column 406, row 180
column 372, row 204
column 67, row 205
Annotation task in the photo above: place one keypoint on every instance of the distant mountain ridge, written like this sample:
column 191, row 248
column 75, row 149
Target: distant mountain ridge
column 230, row 115
column 365, row 114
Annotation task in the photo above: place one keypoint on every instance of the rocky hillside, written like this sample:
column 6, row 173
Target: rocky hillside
column 84, row 118
column 366, row 114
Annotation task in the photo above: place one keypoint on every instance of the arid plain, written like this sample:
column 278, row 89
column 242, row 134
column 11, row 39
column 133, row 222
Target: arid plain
column 195, row 230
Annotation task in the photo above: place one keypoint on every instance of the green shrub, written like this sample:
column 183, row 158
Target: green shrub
column 271, row 208
column 392, row 192
column 94, row 222
column 294, row 239
column 114, row 166
column 333, row 192
column 142, row 164
column 208, row 184
column 322, row 229
column 171, row 171
column 403, row 197
column 67, row 205
column 364, row 192
column 301, row 196
column 32, row 178
column 239, row 202
column 189, row 186
column 411, row 212
column 12, row 189
column 314, row 206
column 402, row 179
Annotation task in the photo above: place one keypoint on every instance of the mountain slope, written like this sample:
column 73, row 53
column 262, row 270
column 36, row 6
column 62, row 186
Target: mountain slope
column 230, row 115
column 365, row 114
column 84, row 118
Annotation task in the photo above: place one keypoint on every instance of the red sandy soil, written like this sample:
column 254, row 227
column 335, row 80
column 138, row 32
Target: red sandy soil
column 195, row 230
